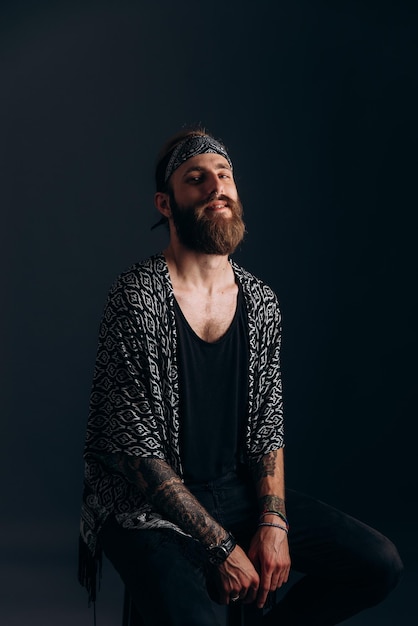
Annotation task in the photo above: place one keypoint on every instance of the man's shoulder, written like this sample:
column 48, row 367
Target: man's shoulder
column 144, row 274
column 263, row 309
column 143, row 285
column 253, row 284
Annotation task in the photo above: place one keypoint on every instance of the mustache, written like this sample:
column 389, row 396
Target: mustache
column 203, row 204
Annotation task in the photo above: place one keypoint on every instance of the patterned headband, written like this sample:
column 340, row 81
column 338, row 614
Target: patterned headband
column 192, row 146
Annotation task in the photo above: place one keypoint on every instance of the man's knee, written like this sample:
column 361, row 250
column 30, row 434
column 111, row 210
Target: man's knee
column 387, row 569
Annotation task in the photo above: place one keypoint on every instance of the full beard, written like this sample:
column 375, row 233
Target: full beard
column 209, row 234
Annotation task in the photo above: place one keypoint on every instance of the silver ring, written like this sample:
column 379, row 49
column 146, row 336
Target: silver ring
column 234, row 599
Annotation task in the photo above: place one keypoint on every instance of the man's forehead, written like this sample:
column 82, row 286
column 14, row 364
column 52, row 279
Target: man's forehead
column 203, row 162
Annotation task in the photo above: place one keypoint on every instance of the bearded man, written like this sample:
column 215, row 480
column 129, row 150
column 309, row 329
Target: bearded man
column 184, row 480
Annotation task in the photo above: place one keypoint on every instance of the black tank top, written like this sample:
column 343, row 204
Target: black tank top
column 213, row 381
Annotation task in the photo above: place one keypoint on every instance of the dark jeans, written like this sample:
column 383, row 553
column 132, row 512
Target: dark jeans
column 346, row 565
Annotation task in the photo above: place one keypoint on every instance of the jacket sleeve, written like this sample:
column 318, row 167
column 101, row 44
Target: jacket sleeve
column 125, row 406
column 266, row 420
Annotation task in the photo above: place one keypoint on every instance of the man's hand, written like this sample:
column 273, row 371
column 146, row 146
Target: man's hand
column 269, row 553
column 236, row 576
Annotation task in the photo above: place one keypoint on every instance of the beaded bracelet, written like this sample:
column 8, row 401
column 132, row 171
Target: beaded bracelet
column 274, row 526
column 283, row 517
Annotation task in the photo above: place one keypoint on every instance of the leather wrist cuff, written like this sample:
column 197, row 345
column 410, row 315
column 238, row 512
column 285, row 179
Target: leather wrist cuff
column 217, row 554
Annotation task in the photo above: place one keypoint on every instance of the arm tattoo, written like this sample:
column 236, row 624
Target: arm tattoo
column 272, row 503
column 170, row 497
column 265, row 467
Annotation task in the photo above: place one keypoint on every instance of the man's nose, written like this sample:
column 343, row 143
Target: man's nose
column 215, row 186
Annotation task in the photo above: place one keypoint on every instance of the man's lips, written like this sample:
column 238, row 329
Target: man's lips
column 217, row 206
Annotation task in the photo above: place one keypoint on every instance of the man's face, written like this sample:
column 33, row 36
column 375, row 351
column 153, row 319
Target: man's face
column 205, row 206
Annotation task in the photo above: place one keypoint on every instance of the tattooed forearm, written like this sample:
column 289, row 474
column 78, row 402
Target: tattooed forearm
column 268, row 475
column 265, row 467
column 170, row 497
column 272, row 503
column 147, row 474
column 182, row 507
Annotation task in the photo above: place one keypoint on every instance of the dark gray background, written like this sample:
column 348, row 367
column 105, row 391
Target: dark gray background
column 317, row 103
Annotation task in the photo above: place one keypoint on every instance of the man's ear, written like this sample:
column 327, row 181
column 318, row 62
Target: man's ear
column 162, row 203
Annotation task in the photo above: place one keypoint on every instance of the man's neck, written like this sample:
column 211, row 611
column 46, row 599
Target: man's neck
column 195, row 270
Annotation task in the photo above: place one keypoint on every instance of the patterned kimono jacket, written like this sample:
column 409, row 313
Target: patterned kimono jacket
column 134, row 405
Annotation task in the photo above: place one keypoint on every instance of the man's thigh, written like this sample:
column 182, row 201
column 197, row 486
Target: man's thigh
column 327, row 542
column 164, row 574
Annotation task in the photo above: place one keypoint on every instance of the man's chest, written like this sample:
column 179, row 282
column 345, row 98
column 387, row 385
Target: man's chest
column 208, row 316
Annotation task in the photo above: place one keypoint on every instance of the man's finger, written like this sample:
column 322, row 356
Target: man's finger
column 263, row 590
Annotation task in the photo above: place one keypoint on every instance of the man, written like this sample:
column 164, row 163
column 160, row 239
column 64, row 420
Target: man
column 184, row 484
